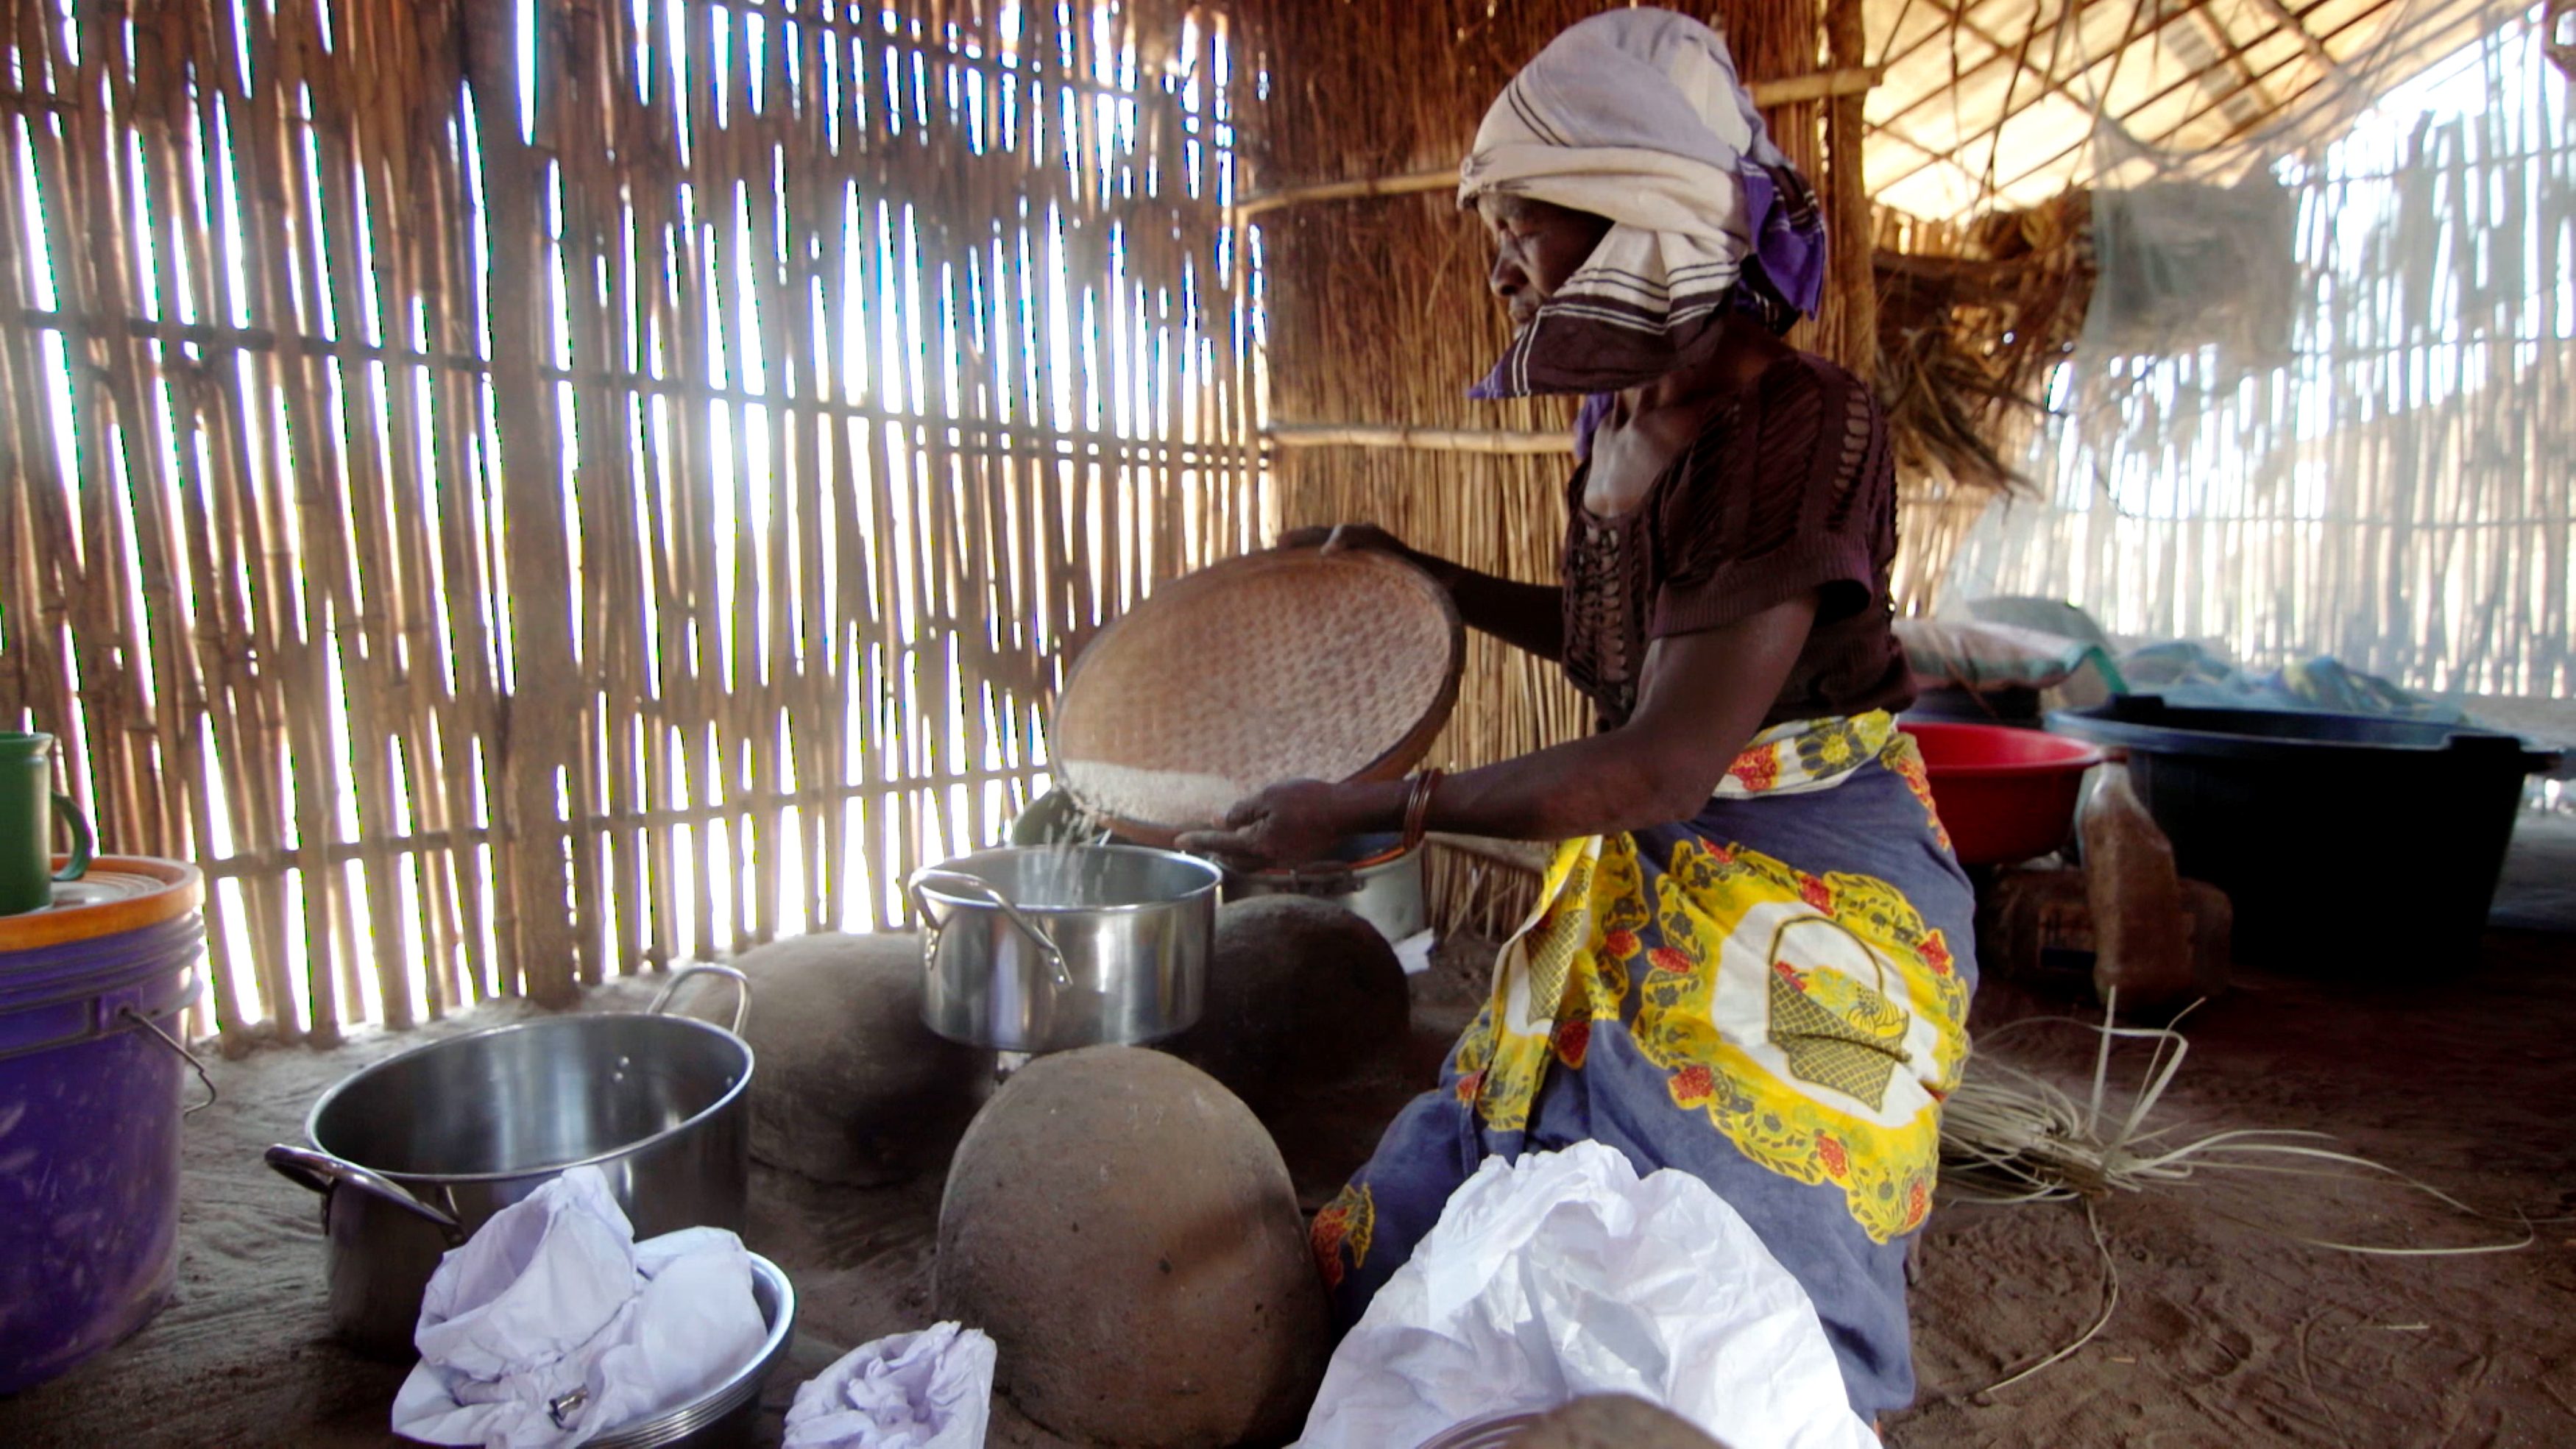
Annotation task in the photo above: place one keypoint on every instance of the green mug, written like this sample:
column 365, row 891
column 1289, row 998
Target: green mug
column 28, row 805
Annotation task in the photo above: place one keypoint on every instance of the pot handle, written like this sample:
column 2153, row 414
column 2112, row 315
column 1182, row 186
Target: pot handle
column 741, row 986
column 991, row 895
column 323, row 1173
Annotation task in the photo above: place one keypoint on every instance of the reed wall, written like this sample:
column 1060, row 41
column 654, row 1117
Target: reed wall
column 2387, row 474
column 525, row 490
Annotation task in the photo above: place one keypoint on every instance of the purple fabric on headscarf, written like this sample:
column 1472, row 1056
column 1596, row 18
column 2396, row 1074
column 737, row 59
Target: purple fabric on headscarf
column 1793, row 259
column 1588, row 420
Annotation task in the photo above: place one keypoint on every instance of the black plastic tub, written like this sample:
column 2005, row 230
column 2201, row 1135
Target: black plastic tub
column 2348, row 844
column 1950, row 704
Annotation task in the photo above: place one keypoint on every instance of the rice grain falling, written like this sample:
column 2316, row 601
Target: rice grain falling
column 1170, row 797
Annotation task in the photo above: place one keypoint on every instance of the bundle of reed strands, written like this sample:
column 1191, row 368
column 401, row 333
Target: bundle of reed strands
column 2010, row 1136
column 1972, row 318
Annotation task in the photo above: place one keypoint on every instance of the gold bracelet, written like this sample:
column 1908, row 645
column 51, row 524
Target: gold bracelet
column 1417, row 807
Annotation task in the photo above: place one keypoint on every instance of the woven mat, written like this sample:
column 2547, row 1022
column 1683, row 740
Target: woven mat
column 1273, row 666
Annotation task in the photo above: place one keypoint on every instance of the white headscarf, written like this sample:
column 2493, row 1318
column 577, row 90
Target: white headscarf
column 1637, row 116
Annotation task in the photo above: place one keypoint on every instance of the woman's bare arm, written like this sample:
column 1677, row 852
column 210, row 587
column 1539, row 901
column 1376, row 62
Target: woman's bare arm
column 1526, row 616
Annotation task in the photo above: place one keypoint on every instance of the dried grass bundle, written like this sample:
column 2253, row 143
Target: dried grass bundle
column 1970, row 322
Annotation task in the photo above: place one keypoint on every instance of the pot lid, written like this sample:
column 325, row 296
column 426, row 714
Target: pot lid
column 1273, row 666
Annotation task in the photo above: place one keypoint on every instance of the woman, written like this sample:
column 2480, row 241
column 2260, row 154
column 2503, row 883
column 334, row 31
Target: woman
column 1752, row 960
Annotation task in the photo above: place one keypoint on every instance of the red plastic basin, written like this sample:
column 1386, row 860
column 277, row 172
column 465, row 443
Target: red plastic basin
column 2005, row 794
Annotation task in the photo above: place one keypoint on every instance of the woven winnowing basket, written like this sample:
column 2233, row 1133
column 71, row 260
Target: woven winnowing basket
column 1274, row 666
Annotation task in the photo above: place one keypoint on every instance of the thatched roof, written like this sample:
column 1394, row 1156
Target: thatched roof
column 2011, row 101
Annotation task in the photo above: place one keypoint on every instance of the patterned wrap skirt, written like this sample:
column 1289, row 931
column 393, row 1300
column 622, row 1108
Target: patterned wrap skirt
column 1771, row 996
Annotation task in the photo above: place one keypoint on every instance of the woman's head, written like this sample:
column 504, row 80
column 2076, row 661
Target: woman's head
column 1537, row 247
column 1636, row 203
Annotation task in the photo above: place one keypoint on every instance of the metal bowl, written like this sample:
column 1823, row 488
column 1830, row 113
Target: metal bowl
column 1372, row 876
column 1494, row 1431
column 725, row 1413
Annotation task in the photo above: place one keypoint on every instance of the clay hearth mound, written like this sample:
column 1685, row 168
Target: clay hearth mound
column 847, row 1085
column 1303, row 997
column 1124, row 1229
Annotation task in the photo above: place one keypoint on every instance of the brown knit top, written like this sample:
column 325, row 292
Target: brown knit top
column 1791, row 488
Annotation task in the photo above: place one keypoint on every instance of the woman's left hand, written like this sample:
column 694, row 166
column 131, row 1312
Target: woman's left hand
column 1295, row 822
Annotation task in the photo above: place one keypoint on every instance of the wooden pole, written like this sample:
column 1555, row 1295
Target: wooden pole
column 1433, row 440
column 1849, row 277
column 2327, row 66
column 539, row 740
column 1849, row 80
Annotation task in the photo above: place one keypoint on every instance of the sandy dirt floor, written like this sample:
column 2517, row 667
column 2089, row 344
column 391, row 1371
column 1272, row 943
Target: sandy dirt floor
column 2228, row 1330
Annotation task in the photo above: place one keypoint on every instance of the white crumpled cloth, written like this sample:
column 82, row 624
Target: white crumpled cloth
column 553, row 1301
column 1565, row 1274
column 926, row 1390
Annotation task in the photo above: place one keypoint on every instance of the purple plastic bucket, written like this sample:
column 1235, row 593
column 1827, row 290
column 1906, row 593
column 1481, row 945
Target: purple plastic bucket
column 89, row 1141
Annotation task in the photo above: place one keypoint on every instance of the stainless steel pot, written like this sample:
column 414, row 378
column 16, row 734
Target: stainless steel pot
column 1043, row 949
column 414, row 1153
column 1382, row 888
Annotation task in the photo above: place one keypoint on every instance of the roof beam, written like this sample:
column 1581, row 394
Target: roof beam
column 2006, row 54
column 1821, row 85
column 2021, row 61
column 2015, row 55
column 2315, row 48
column 2130, row 35
column 1930, row 37
column 2133, row 33
column 2438, row 17
column 2451, row 16
column 2235, row 57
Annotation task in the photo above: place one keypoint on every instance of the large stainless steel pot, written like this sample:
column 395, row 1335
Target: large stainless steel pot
column 1049, row 948
column 414, row 1153
column 1374, row 879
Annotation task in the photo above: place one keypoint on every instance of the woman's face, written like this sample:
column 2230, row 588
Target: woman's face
column 1537, row 246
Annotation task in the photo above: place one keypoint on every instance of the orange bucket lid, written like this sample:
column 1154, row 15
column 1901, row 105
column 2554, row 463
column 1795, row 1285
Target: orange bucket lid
column 120, row 893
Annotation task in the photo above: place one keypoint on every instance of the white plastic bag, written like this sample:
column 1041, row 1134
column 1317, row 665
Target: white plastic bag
column 1413, row 953
column 1565, row 1274
column 926, row 1390
column 553, row 1302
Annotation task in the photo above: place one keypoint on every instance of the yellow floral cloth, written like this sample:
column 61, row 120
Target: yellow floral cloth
column 1813, row 1019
